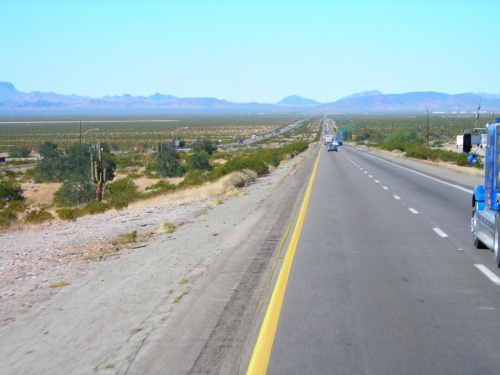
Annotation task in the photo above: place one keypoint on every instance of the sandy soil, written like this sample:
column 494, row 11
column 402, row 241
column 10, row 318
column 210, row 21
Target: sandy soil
column 35, row 260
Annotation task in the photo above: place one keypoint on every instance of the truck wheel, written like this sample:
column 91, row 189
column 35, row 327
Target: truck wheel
column 477, row 243
column 496, row 245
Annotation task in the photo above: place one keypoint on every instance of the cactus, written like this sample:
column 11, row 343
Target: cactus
column 98, row 175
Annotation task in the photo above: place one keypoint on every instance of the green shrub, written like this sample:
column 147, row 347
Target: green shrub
column 95, row 208
column 194, row 178
column 7, row 217
column 162, row 186
column 133, row 175
column 128, row 160
column 200, row 161
column 8, row 173
column 75, row 192
column 167, row 163
column 17, row 206
column 259, row 160
column 10, row 190
column 418, row 152
column 219, row 155
column 19, row 152
column 205, row 145
column 132, row 236
column 37, row 216
column 69, row 213
column 120, row 193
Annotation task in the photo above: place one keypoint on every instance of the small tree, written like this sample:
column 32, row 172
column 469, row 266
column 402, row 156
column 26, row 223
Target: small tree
column 10, row 191
column 74, row 192
column 78, row 186
column 405, row 136
column 120, row 193
column 51, row 167
column 205, row 145
column 19, row 152
column 168, row 162
column 200, row 161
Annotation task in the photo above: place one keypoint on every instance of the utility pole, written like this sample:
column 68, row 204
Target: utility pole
column 477, row 114
column 427, row 127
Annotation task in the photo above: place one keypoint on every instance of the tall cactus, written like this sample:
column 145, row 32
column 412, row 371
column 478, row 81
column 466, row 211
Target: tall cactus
column 98, row 174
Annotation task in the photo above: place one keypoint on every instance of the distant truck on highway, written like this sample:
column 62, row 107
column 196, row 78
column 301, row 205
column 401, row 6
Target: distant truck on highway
column 328, row 139
column 485, row 222
column 338, row 137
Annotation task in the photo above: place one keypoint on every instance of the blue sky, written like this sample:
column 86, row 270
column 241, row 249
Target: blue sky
column 243, row 51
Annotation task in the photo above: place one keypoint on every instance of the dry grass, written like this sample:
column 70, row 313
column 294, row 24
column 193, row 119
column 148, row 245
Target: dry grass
column 179, row 297
column 167, row 227
column 40, row 193
column 144, row 182
column 228, row 185
column 58, row 284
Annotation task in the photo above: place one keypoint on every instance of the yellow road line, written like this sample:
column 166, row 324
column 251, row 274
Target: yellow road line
column 263, row 346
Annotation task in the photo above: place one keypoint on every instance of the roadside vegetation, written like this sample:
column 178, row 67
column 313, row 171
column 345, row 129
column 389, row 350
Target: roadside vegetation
column 408, row 134
column 73, row 168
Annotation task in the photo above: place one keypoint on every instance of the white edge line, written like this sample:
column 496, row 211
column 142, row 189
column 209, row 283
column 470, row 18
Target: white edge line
column 490, row 275
column 423, row 175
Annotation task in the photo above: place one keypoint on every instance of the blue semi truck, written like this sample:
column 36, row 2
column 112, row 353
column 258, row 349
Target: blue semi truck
column 338, row 137
column 485, row 222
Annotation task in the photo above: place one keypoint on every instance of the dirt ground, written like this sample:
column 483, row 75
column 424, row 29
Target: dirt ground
column 35, row 259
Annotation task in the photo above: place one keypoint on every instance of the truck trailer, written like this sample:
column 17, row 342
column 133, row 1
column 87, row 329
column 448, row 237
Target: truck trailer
column 485, row 222
column 338, row 138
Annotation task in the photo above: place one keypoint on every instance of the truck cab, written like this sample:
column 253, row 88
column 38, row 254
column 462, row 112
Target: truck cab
column 485, row 222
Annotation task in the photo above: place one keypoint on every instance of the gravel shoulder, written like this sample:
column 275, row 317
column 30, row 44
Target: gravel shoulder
column 103, row 320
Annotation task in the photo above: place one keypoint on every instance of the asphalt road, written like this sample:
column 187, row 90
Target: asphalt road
column 385, row 279
column 16, row 167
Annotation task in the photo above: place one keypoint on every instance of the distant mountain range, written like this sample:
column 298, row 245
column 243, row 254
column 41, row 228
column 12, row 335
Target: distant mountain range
column 13, row 101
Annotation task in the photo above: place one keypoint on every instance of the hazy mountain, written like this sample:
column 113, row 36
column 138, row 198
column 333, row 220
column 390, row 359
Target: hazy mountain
column 362, row 94
column 12, row 100
column 297, row 101
column 412, row 102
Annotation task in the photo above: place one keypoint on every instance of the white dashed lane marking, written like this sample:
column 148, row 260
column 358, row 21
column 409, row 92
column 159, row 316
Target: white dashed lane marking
column 440, row 232
column 490, row 275
column 484, row 270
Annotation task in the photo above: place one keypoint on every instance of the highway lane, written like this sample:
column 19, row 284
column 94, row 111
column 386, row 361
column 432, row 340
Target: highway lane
column 443, row 203
column 384, row 278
